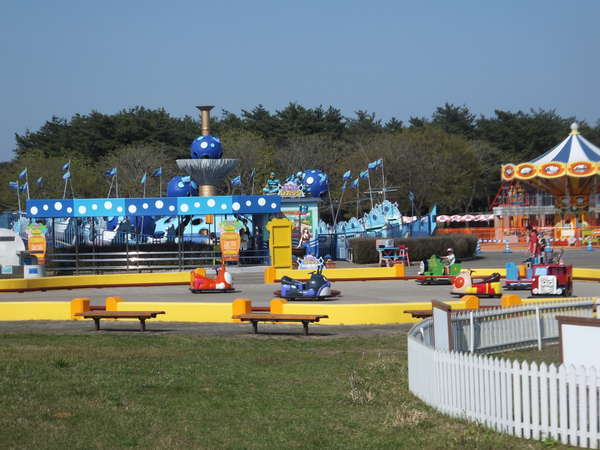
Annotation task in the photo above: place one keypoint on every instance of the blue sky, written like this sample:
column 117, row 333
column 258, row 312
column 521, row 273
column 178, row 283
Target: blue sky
column 394, row 58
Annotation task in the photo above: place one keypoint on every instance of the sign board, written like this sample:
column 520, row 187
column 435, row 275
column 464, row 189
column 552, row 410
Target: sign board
column 577, row 336
column 310, row 262
column 37, row 246
column 230, row 246
column 291, row 189
column 442, row 332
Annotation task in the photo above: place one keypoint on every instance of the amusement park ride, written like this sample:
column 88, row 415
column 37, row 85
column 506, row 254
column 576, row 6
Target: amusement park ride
column 559, row 190
column 201, row 284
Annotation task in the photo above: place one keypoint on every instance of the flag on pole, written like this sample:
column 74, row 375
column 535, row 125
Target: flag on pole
column 344, row 186
column 23, row 187
column 186, row 179
column 67, row 175
column 40, row 181
column 364, row 174
column 66, row 166
column 111, row 173
column 347, row 175
column 13, row 185
column 236, row 181
column 23, row 173
column 375, row 164
column 143, row 180
column 355, row 183
column 411, row 196
column 157, row 172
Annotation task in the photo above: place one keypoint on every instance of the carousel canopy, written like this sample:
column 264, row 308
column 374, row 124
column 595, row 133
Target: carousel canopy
column 569, row 170
column 574, row 148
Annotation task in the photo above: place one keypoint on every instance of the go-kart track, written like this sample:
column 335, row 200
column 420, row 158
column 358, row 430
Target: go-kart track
column 248, row 283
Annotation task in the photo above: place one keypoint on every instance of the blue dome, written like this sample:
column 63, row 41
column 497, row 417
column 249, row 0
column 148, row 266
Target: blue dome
column 315, row 182
column 206, row 147
column 179, row 188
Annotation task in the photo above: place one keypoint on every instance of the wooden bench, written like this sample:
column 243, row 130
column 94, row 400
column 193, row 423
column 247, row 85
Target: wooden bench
column 304, row 318
column 99, row 314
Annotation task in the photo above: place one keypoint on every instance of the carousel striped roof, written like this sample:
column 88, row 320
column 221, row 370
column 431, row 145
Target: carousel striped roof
column 574, row 148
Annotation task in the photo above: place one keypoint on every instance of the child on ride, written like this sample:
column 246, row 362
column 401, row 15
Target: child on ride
column 448, row 260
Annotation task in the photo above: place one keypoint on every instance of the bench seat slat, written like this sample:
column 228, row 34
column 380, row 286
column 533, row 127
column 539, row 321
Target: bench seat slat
column 119, row 314
column 281, row 317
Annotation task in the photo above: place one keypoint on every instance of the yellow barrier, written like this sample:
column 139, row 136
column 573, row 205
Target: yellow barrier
column 355, row 273
column 508, row 300
column 81, row 281
column 183, row 311
column 371, row 314
column 241, row 306
column 339, row 314
column 586, row 273
column 79, row 305
column 35, row 311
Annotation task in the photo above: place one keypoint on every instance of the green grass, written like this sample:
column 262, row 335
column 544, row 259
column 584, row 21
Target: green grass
column 548, row 354
column 190, row 391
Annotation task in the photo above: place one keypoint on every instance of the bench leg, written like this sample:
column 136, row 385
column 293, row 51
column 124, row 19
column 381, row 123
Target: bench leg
column 97, row 323
column 142, row 324
column 305, row 325
column 255, row 326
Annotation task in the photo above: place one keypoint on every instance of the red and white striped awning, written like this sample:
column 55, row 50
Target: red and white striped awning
column 465, row 218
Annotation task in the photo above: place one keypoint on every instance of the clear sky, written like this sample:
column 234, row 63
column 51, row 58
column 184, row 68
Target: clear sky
column 394, row 58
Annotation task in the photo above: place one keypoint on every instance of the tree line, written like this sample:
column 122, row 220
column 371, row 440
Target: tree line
column 451, row 159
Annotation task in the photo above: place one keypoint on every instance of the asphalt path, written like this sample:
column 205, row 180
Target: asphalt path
column 249, row 284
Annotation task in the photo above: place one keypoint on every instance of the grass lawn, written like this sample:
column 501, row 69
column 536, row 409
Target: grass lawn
column 193, row 391
column 550, row 354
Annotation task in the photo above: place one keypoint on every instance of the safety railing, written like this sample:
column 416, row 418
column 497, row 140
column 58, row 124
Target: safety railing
column 140, row 261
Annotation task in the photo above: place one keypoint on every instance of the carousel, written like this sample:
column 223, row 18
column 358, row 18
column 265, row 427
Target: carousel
column 556, row 192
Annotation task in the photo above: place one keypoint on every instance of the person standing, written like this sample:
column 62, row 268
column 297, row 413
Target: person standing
column 532, row 242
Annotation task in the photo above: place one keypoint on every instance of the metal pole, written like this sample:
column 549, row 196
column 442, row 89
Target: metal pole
column 370, row 192
column 331, row 207
column 127, row 242
column 94, row 244
column 27, row 183
column 179, row 244
column 383, row 179
column 19, row 200
column 53, row 241
column 539, row 327
column 471, row 332
column 76, row 246
column 338, row 208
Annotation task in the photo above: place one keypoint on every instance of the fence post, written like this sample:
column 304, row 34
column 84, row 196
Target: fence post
column 471, row 331
column 539, row 327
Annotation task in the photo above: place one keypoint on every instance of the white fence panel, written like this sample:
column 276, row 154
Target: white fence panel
column 522, row 399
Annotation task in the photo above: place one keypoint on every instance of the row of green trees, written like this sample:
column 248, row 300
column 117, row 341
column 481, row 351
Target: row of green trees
column 451, row 159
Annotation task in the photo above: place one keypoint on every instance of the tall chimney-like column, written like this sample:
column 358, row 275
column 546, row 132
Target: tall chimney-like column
column 205, row 119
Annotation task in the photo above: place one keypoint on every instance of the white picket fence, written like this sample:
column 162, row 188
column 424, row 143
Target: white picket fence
column 522, row 399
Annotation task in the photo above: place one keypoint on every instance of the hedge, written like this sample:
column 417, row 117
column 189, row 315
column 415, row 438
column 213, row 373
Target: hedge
column 364, row 252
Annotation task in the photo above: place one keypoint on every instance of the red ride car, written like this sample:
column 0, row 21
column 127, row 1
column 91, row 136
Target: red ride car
column 552, row 279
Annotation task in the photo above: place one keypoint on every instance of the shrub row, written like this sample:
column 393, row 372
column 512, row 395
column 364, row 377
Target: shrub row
column 364, row 252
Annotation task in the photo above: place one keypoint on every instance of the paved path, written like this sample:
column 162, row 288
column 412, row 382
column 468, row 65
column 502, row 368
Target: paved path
column 249, row 284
